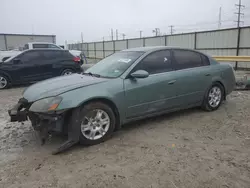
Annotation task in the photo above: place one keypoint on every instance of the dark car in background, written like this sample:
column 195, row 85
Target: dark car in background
column 36, row 65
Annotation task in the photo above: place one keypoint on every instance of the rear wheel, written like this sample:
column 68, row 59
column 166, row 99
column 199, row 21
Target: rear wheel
column 67, row 72
column 213, row 97
column 4, row 82
column 97, row 123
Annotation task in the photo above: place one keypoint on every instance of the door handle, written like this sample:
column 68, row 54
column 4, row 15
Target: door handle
column 171, row 82
column 207, row 74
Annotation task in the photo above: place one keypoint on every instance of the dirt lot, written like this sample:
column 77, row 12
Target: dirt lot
column 187, row 149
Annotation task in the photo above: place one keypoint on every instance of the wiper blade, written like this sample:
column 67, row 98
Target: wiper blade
column 91, row 74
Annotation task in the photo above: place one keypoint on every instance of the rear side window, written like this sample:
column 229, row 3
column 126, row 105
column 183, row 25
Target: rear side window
column 156, row 62
column 53, row 46
column 52, row 54
column 40, row 45
column 185, row 59
column 205, row 60
column 30, row 56
column 67, row 55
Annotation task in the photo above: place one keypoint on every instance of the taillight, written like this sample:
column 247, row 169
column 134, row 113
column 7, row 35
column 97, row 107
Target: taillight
column 77, row 59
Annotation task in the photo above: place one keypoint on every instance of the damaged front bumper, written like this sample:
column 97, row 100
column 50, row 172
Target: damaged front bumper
column 46, row 124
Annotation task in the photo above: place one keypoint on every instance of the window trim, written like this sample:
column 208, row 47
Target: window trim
column 174, row 60
column 132, row 70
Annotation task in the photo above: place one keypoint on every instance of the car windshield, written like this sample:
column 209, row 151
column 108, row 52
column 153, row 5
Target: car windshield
column 114, row 65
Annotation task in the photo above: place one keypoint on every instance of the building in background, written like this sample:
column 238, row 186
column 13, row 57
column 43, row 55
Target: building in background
column 17, row 41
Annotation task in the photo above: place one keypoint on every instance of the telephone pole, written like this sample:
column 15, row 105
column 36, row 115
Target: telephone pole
column 140, row 34
column 171, row 29
column 239, row 13
column 112, row 35
column 156, row 31
column 82, row 41
column 123, row 36
column 219, row 21
column 116, row 33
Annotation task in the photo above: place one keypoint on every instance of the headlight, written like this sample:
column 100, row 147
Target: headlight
column 46, row 105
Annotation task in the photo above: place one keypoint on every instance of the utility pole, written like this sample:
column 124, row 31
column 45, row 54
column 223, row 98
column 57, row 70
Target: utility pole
column 239, row 13
column 112, row 35
column 123, row 36
column 82, row 41
column 219, row 21
column 116, row 33
column 171, row 29
column 140, row 34
column 156, row 31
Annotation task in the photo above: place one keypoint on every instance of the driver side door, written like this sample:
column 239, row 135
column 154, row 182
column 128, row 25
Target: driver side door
column 155, row 93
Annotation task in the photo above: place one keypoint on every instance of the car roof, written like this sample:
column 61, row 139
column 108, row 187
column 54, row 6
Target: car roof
column 154, row 48
column 45, row 49
column 40, row 43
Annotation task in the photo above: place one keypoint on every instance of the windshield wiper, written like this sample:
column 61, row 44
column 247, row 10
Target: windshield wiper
column 92, row 74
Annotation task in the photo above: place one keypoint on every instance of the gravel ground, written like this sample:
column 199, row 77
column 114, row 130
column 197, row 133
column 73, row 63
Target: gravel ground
column 187, row 149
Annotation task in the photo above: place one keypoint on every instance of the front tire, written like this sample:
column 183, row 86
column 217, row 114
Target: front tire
column 213, row 97
column 4, row 82
column 97, row 123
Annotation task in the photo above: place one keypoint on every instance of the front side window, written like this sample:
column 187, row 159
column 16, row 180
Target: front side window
column 29, row 56
column 156, row 62
column 115, row 65
column 185, row 59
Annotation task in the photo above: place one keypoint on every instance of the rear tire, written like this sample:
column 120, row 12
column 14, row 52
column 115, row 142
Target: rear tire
column 4, row 82
column 213, row 98
column 67, row 72
column 97, row 123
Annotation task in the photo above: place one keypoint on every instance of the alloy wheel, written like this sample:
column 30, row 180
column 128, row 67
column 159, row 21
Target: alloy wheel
column 214, row 96
column 95, row 124
column 3, row 82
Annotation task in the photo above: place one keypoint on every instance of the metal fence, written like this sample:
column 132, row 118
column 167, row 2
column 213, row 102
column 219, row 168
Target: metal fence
column 225, row 42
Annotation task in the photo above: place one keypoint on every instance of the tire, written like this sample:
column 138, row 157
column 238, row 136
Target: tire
column 4, row 82
column 66, row 72
column 218, row 97
column 86, row 112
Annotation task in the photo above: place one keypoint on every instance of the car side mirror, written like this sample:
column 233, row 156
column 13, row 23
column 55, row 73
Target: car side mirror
column 140, row 74
column 16, row 61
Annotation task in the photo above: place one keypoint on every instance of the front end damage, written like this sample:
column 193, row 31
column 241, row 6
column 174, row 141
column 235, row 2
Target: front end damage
column 46, row 124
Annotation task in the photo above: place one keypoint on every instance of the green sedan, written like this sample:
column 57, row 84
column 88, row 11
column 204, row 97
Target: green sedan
column 126, row 86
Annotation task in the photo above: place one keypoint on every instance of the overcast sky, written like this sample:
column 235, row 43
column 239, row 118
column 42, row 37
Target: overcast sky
column 95, row 18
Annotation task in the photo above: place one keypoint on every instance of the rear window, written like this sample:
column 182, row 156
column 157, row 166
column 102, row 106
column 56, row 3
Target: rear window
column 40, row 45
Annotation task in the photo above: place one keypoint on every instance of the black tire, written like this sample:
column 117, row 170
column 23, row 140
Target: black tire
column 206, row 105
column 7, row 85
column 65, row 71
column 94, row 106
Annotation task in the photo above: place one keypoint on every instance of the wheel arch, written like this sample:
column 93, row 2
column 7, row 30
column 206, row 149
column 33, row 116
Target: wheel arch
column 7, row 75
column 108, row 102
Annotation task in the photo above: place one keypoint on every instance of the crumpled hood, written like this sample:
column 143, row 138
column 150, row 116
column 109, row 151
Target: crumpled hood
column 58, row 85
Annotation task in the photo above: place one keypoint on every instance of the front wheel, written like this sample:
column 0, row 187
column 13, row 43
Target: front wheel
column 97, row 123
column 4, row 82
column 213, row 97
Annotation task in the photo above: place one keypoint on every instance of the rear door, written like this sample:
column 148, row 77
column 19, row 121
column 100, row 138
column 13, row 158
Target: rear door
column 154, row 93
column 193, row 75
column 49, row 65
